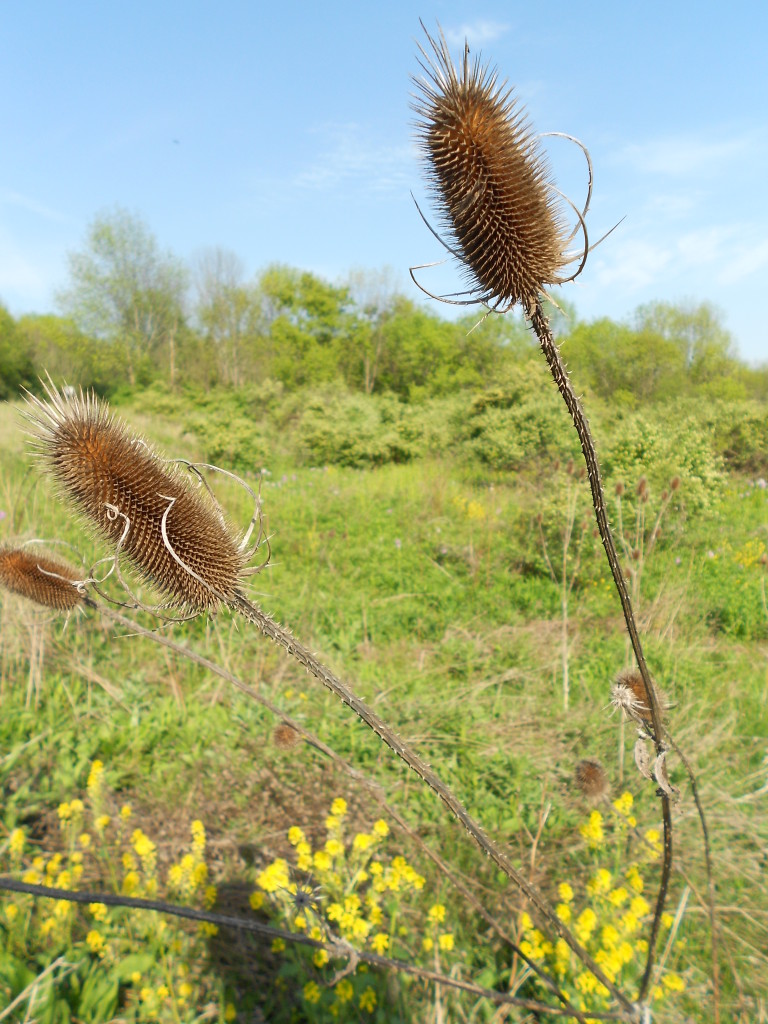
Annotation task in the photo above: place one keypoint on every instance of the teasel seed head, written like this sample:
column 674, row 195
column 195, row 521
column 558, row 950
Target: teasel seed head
column 591, row 780
column 285, row 737
column 628, row 694
column 490, row 180
column 173, row 533
column 40, row 578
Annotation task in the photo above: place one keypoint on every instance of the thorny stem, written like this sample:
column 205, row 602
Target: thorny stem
column 373, row 787
column 710, row 880
column 336, row 948
column 283, row 638
column 540, row 325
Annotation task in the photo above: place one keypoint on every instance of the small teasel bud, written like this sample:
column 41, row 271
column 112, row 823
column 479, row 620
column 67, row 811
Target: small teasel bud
column 171, row 531
column 674, row 483
column 591, row 780
column 636, row 554
column 628, row 695
column 569, row 467
column 490, row 180
column 664, row 494
column 44, row 580
column 556, row 465
column 285, row 737
column 642, row 487
column 619, row 489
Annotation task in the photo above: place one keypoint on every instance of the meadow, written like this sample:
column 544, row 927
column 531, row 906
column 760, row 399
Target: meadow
column 433, row 585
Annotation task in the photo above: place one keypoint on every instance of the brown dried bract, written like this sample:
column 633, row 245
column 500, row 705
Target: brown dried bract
column 628, row 693
column 591, row 780
column 173, row 533
column 490, row 179
column 44, row 580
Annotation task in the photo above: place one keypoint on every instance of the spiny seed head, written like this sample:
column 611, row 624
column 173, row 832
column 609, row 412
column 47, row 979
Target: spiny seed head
column 629, row 695
column 42, row 579
column 123, row 488
column 591, row 780
column 490, row 180
column 285, row 736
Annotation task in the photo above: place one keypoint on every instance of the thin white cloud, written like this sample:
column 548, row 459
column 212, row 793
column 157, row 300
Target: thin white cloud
column 9, row 197
column 635, row 264
column 748, row 259
column 476, row 33
column 350, row 159
column 682, row 156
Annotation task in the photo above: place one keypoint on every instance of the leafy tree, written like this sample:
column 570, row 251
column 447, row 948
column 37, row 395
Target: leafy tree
column 307, row 322
column 57, row 346
column 16, row 364
column 126, row 291
column 626, row 367
column 706, row 346
column 228, row 313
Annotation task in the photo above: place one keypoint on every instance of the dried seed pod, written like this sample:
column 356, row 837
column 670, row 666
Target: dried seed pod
column 591, row 780
column 490, row 179
column 628, row 694
column 643, row 757
column 172, row 532
column 44, row 580
column 285, row 736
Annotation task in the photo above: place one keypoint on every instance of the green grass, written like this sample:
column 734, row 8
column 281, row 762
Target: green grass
column 423, row 585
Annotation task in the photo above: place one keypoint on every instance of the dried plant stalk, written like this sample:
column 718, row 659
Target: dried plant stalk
column 46, row 581
column 461, row 159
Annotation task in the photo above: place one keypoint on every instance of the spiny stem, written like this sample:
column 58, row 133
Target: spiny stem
column 540, row 325
column 283, row 638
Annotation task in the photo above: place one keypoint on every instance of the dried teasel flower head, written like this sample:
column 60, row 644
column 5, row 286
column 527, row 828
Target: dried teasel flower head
column 628, row 695
column 490, row 180
column 285, row 736
column 44, row 580
column 591, row 780
column 172, row 532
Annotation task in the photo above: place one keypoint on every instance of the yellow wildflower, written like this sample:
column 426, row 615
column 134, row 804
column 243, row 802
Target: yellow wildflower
column 98, row 910
column 436, row 913
column 320, row 958
column 95, row 941
column 673, row 982
column 563, row 911
column 333, row 847
column 101, row 822
column 295, row 835
column 381, row 828
column 565, row 892
column 380, row 943
column 11, row 911
column 312, row 992
column 339, row 807
column 427, row 944
column 95, row 778
column 344, row 990
column 230, row 1013
column 256, row 900
column 445, row 941
column 368, row 1000
column 363, row 841
column 126, row 811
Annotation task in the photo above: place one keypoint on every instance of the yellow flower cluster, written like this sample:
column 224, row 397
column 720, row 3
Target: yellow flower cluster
column 172, row 983
column 360, row 891
column 610, row 926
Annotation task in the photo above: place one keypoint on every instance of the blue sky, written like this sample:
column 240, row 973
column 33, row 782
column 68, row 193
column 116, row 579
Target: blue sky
column 282, row 132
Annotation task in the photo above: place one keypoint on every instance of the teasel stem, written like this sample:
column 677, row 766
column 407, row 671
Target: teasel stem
column 540, row 325
column 371, row 785
column 283, row 638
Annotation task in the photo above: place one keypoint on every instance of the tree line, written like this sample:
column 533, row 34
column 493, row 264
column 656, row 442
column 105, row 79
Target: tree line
column 133, row 314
